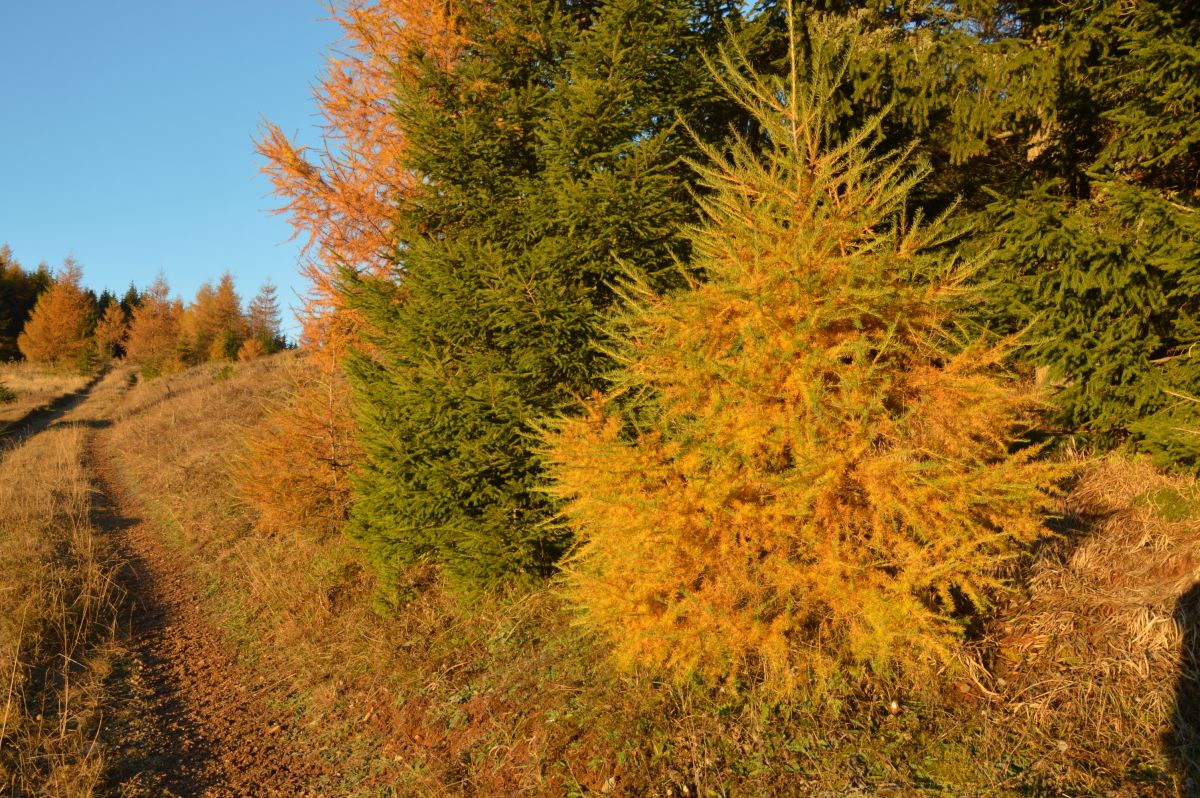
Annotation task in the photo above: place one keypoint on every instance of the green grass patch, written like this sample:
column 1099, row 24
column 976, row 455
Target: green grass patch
column 1170, row 504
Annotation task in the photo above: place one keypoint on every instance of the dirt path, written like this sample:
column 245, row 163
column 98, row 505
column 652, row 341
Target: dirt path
column 189, row 722
column 38, row 419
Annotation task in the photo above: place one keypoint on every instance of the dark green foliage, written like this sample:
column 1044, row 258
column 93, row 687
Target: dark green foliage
column 553, row 160
column 19, row 291
column 1099, row 256
column 227, row 344
column 6, row 394
column 965, row 82
column 131, row 299
column 1110, row 288
column 1172, row 433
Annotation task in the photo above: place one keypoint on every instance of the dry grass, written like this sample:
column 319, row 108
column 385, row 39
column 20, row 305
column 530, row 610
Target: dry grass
column 404, row 700
column 35, row 386
column 504, row 696
column 1095, row 658
column 57, row 609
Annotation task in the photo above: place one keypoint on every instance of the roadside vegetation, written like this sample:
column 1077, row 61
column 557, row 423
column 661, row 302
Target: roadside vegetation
column 1070, row 687
column 33, row 386
column 58, row 606
column 693, row 400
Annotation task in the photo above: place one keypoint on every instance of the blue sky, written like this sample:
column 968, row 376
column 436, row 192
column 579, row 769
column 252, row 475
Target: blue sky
column 126, row 134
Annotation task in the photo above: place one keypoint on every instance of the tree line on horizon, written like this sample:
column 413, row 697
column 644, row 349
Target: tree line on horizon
column 51, row 319
column 768, row 319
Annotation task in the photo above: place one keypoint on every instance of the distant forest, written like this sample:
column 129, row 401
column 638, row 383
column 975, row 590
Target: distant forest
column 50, row 318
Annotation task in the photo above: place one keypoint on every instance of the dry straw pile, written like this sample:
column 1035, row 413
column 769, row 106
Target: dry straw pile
column 1105, row 652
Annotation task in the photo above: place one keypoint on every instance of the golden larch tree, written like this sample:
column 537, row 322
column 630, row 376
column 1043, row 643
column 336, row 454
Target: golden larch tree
column 213, row 325
column 296, row 468
column 806, row 467
column 341, row 198
column 111, row 331
column 56, row 332
column 155, row 342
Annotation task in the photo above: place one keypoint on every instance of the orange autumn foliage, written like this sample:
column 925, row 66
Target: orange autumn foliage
column 340, row 199
column 153, row 343
column 296, row 469
column 111, row 331
column 56, row 332
column 807, row 471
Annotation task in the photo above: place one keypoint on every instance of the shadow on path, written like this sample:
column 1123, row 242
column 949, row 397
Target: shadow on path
column 39, row 418
column 1184, row 743
column 160, row 749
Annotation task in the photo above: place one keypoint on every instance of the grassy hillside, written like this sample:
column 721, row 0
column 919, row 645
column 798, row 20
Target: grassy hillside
column 1072, row 690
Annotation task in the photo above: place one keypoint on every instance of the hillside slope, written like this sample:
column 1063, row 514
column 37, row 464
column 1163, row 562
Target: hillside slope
column 158, row 644
column 502, row 695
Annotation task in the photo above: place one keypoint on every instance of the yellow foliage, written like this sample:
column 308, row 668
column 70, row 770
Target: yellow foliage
column 804, row 465
column 295, row 471
column 56, row 330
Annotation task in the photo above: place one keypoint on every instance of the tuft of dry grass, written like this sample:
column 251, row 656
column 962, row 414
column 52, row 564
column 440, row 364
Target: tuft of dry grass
column 58, row 600
column 1095, row 657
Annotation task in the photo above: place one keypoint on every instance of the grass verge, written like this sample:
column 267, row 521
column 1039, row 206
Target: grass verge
column 32, row 387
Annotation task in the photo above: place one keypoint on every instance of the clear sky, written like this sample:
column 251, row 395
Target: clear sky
column 126, row 134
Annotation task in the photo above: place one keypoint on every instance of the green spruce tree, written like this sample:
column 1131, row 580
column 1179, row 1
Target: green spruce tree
column 552, row 153
column 1102, row 248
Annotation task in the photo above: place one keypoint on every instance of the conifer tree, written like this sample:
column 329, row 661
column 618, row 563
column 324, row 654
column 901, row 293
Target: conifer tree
column 1101, row 256
column 195, row 331
column 130, row 300
column 295, row 470
column 213, row 326
column 970, row 84
column 19, row 291
column 551, row 153
column 111, row 331
column 1070, row 128
column 57, row 331
column 155, row 344
column 341, row 197
column 341, row 201
column 805, row 463
column 263, row 321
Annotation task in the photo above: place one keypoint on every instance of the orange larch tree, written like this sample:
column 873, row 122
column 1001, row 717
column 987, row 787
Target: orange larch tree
column 213, row 325
column 111, row 332
column 56, row 332
column 154, row 342
column 340, row 199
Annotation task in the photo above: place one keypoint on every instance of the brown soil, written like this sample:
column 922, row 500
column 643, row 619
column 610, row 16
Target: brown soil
column 189, row 721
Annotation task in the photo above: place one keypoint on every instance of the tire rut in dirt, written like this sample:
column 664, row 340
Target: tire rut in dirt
column 14, row 433
column 189, row 725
